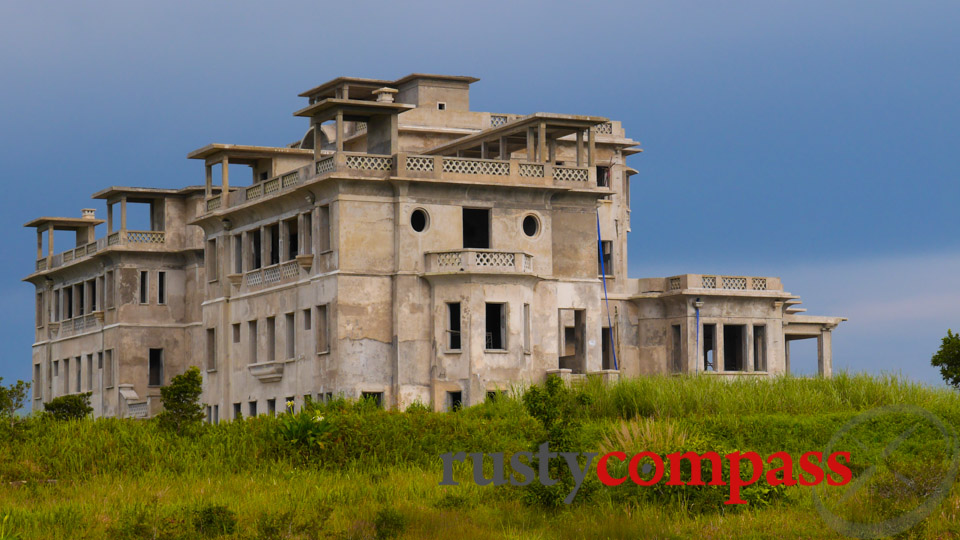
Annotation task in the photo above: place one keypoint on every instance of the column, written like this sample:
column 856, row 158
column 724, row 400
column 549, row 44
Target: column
column 786, row 356
column 503, row 149
column 591, row 147
column 579, row 148
column 825, row 353
column 39, row 243
column 552, row 151
column 339, row 131
column 718, row 347
column 541, row 141
column 224, row 181
column 123, row 216
column 50, row 240
column 531, row 153
column 750, row 361
column 484, row 150
column 109, row 217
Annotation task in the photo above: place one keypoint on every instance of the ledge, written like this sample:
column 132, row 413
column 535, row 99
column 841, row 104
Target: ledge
column 267, row 371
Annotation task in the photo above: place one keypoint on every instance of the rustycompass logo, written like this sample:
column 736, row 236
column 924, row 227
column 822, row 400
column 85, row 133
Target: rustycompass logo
column 905, row 463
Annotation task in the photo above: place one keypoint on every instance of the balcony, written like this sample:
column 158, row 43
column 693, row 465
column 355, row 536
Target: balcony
column 267, row 276
column 724, row 283
column 479, row 261
column 120, row 238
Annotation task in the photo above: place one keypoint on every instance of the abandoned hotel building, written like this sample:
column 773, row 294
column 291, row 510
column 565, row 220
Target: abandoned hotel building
column 406, row 248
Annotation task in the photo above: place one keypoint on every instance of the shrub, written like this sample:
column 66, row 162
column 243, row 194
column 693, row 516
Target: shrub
column 389, row 523
column 181, row 402
column 418, row 407
column 948, row 359
column 305, row 431
column 69, row 407
column 12, row 398
column 214, row 520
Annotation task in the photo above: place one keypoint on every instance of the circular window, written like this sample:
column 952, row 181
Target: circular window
column 531, row 225
column 419, row 220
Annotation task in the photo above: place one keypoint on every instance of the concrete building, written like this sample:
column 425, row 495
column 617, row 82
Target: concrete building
column 406, row 248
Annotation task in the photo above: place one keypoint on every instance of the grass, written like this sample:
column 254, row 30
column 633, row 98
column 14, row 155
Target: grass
column 376, row 474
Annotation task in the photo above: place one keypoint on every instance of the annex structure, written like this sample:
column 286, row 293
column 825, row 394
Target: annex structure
column 406, row 249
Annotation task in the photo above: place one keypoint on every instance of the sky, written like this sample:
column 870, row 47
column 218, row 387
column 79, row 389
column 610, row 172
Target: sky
column 811, row 140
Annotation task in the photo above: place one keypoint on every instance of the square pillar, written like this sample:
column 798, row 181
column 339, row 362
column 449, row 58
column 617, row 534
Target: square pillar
column 552, row 151
column 750, row 363
column 109, row 217
column 531, row 152
column 718, row 347
column 208, row 169
column 224, row 181
column 579, row 148
column 541, row 141
column 123, row 214
column 339, row 131
column 39, row 243
column 786, row 357
column 825, row 353
column 484, row 150
column 591, row 147
column 503, row 149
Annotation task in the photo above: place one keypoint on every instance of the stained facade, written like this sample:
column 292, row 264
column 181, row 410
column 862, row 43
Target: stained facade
column 405, row 248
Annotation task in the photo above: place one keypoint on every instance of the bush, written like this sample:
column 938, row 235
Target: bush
column 214, row 520
column 12, row 398
column 69, row 407
column 948, row 359
column 181, row 402
column 389, row 523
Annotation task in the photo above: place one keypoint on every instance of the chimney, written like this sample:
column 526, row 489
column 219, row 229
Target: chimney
column 88, row 213
column 385, row 95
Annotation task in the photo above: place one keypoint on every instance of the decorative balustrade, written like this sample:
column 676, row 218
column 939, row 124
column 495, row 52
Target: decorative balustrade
column 571, row 174
column 92, row 248
column 420, row 163
column 290, row 179
column 41, row 264
column 273, row 274
column 365, row 162
column 137, row 410
column 605, row 128
column 476, row 166
column 479, row 261
column 146, row 237
column 213, row 203
column 531, row 170
column 727, row 283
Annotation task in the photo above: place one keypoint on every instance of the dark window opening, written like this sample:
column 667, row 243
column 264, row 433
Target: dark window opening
column 81, row 297
column 144, row 286
column 237, row 414
column 93, row 295
column 291, row 332
column 253, row 408
column 161, row 287
column 68, row 302
column 274, row 232
column 156, row 368
column 603, row 176
column 476, row 228
column 252, row 337
column 606, row 258
column 271, row 339
column 760, row 348
column 293, row 240
column 531, row 226
column 496, row 338
column 255, row 249
column 236, row 332
column 453, row 326
column 272, row 407
column 441, row 106
column 238, row 254
column 493, row 395
column 709, row 347
column 211, row 348
column 418, row 220
column 454, row 401
column 376, row 397
column 733, row 337
column 606, row 346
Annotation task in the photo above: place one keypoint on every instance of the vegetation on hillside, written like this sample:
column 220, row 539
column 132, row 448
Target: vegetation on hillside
column 351, row 470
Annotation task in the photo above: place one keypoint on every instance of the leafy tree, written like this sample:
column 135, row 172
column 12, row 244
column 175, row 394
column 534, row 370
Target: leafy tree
column 12, row 398
column 181, row 402
column 948, row 359
column 69, row 407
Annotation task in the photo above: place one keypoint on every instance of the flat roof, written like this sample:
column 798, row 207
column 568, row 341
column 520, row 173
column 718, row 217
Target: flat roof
column 148, row 193
column 246, row 151
column 327, row 108
column 560, row 124
column 63, row 223
column 378, row 83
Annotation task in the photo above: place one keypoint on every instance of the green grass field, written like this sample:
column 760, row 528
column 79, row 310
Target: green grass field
column 368, row 473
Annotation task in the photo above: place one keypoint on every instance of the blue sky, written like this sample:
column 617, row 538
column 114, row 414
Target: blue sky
column 812, row 140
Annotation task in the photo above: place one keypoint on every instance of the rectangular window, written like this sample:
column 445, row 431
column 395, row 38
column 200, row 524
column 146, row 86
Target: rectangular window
column 603, row 176
column 273, row 249
column 56, row 305
column 453, row 326
column 292, row 248
column 526, row 328
column 605, row 263
column 376, row 397
column 255, row 252
column 81, row 297
column 677, row 349
column 709, row 347
column 238, row 254
column 323, row 226
column 65, row 382
column 211, row 348
column 77, row 370
column 307, row 233
column 211, row 260
column 155, row 376
column 237, row 413
column 161, row 287
column 209, row 414
column 476, row 228
column 252, row 341
column 39, row 309
column 323, row 344
column 291, row 329
column 108, row 289
column 100, row 360
column 606, row 348
column 306, row 319
column 271, row 339
column 236, row 332
column 496, row 327
column 101, row 295
column 108, row 368
column 253, row 408
column 272, row 407
column 144, row 285
column 93, row 295
column 734, row 348
column 454, row 401
column 89, row 372
column 760, row 348
column 216, row 414
column 68, row 302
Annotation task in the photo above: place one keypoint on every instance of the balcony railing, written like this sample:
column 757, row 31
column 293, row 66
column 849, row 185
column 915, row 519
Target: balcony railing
column 113, row 239
column 271, row 275
column 727, row 283
column 483, row 261
column 444, row 168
